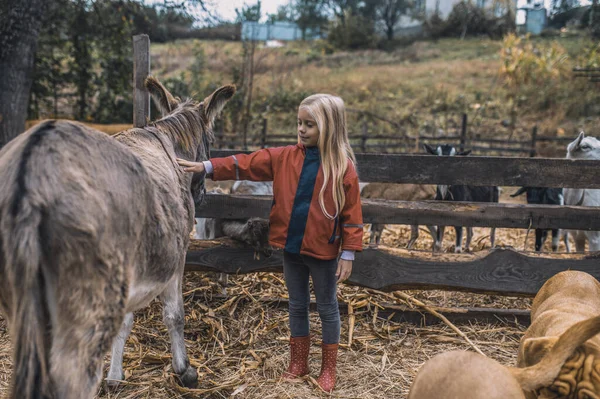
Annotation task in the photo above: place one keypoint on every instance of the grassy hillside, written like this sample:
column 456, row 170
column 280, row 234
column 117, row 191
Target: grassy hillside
column 424, row 87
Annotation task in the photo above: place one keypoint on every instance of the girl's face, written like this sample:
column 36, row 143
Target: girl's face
column 307, row 129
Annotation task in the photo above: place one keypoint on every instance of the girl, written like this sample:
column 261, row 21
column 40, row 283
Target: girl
column 316, row 209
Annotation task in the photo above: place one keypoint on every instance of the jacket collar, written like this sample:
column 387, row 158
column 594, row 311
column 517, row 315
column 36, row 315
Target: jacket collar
column 309, row 151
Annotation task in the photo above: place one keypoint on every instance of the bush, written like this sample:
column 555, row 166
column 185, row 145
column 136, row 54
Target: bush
column 356, row 32
column 466, row 19
column 435, row 26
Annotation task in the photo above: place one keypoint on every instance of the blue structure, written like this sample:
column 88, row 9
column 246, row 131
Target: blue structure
column 535, row 20
column 275, row 31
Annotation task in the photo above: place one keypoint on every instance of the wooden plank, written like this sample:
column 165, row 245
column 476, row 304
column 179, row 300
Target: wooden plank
column 503, row 271
column 141, row 70
column 500, row 141
column 499, row 149
column 404, row 314
column 556, row 139
column 426, row 213
column 477, row 171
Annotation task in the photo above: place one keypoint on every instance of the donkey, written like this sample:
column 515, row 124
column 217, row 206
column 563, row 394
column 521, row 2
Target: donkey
column 93, row 227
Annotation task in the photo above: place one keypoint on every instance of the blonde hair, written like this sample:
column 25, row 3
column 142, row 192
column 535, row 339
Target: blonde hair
column 330, row 115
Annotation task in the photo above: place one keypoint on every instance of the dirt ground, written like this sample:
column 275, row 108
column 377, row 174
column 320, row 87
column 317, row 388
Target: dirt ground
column 239, row 344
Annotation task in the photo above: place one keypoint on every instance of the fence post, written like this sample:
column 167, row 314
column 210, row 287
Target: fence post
column 365, row 136
column 141, row 70
column 463, row 133
column 532, row 149
column 263, row 137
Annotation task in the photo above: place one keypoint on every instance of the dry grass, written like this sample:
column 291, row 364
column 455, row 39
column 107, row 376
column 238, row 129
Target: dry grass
column 239, row 345
column 420, row 86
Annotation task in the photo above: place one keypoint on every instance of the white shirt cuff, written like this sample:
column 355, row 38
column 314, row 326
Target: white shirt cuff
column 208, row 167
column 347, row 255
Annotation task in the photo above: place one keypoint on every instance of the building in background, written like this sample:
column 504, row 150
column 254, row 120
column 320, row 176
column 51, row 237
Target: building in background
column 280, row 31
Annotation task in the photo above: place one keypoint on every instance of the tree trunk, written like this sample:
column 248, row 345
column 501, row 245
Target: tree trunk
column 20, row 22
column 390, row 32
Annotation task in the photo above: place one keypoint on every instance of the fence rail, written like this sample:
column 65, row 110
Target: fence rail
column 426, row 213
column 503, row 271
column 472, row 170
column 401, row 142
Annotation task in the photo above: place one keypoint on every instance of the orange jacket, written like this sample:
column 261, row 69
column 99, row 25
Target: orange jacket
column 297, row 223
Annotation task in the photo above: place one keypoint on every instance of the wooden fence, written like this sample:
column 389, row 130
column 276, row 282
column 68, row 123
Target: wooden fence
column 502, row 271
column 366, row 141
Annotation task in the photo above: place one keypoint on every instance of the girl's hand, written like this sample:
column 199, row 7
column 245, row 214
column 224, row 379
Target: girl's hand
column 189, row 166
column 344, row 270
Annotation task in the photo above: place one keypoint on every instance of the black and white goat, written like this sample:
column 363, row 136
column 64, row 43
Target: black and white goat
column 546, row 196
column 460, row 193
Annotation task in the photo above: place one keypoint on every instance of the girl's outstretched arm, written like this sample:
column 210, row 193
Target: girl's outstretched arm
column 257, row 166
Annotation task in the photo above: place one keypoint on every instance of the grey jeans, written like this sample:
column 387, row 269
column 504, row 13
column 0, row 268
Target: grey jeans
column 296, row 270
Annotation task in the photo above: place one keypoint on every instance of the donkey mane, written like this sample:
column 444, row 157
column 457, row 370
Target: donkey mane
column 181, row 126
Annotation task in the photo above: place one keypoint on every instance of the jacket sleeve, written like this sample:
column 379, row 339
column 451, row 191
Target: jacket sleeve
column 257, row 166
column 351, row 216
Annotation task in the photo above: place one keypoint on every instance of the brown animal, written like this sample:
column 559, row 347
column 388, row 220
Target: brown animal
column 468, row 375
column 398, row 192
column 565, row 299
column 92, row 228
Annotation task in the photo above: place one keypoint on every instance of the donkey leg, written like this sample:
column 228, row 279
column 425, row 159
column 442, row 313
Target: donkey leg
column 173, row 317
column 115, row 374
column 81, row 337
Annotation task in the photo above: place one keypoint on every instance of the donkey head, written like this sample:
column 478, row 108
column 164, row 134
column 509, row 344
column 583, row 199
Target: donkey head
column 584, row 148
column 189, row 124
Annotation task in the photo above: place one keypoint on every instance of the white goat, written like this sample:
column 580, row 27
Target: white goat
column 584, row 148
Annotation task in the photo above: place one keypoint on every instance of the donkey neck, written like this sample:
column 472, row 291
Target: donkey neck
column 185, row 150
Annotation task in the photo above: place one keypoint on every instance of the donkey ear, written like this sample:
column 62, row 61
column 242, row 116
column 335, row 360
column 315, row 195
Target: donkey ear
column 165, row 100
column 430, row 149
column 214, row 103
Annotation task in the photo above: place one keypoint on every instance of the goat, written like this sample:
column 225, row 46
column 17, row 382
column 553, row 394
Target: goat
column 460, row 193
column 547, row 196
column 584, row 148
column 398, row 192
